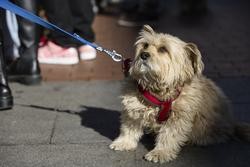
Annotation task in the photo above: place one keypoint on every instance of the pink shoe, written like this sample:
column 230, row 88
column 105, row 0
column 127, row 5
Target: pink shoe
column 52, row 53
column 87, row 52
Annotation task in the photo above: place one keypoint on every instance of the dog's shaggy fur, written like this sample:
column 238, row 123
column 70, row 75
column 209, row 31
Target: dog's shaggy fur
column 201, row 113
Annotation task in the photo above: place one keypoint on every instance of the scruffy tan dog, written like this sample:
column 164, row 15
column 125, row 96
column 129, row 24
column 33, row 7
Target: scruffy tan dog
column 171, row 70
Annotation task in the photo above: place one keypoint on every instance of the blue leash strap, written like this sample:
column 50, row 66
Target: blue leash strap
column 7, row 5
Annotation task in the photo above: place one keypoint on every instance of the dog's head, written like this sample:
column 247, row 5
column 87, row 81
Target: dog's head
column 163, row 60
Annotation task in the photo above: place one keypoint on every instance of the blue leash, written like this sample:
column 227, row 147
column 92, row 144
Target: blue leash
column 7, row 5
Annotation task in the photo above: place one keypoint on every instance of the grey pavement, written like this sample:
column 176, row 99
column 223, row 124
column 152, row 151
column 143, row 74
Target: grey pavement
column 72, row 123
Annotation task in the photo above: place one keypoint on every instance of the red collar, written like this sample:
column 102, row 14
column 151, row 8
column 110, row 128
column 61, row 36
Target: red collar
column 164, row 105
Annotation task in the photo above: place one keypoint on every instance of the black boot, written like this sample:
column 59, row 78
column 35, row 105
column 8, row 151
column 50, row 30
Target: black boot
column 26, row 69
column 6, row 99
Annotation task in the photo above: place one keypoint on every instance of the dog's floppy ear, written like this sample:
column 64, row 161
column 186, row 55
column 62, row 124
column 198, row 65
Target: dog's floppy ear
column 195, row 57
column 147, row 28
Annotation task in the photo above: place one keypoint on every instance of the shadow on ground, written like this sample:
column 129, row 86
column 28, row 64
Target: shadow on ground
column 105, row 122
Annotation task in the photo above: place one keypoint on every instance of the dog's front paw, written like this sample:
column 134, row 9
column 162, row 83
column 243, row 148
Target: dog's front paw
column 123, row 145
column 160, row 156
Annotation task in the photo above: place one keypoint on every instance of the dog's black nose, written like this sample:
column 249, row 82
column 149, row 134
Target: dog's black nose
column 144, row 55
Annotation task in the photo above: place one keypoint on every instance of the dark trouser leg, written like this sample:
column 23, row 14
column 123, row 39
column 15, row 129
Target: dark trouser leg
column 6, row 99
column 26, row 69
column 152, row 8
column 193, row 7
column 82, row 19
column 130, row 6
column 58, row 13
column 140, row 12
column 73, row 16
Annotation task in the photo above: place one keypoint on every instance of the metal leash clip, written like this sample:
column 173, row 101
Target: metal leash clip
column 113, row 54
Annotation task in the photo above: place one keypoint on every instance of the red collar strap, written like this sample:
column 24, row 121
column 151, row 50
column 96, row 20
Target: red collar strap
column 164, row 105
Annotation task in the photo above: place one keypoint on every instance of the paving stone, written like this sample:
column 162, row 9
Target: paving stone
column 72, row 155
column 96, row 110
column 24, row 125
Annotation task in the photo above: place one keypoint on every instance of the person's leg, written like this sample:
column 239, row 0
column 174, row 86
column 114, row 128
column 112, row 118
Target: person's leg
column 193, row 7
column 60, row 48
column 151, row 8
column 26, row 69
column 82, row 18
column 130, row 6
column 140, row 12
column 10, row 36
column 58, row 13
column 6, row 99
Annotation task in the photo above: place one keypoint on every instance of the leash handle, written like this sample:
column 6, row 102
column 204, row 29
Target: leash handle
column 7, row 5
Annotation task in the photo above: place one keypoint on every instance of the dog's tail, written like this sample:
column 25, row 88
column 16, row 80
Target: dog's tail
column 242, row 131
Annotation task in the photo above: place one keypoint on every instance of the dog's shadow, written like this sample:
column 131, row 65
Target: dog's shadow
column 104, row 121
column 107, row 123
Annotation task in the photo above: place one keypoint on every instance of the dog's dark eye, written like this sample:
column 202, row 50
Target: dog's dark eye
column 145, row 45
column 162, row 49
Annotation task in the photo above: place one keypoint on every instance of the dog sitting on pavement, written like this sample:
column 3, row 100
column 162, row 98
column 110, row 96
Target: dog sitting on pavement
column 167, row 93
